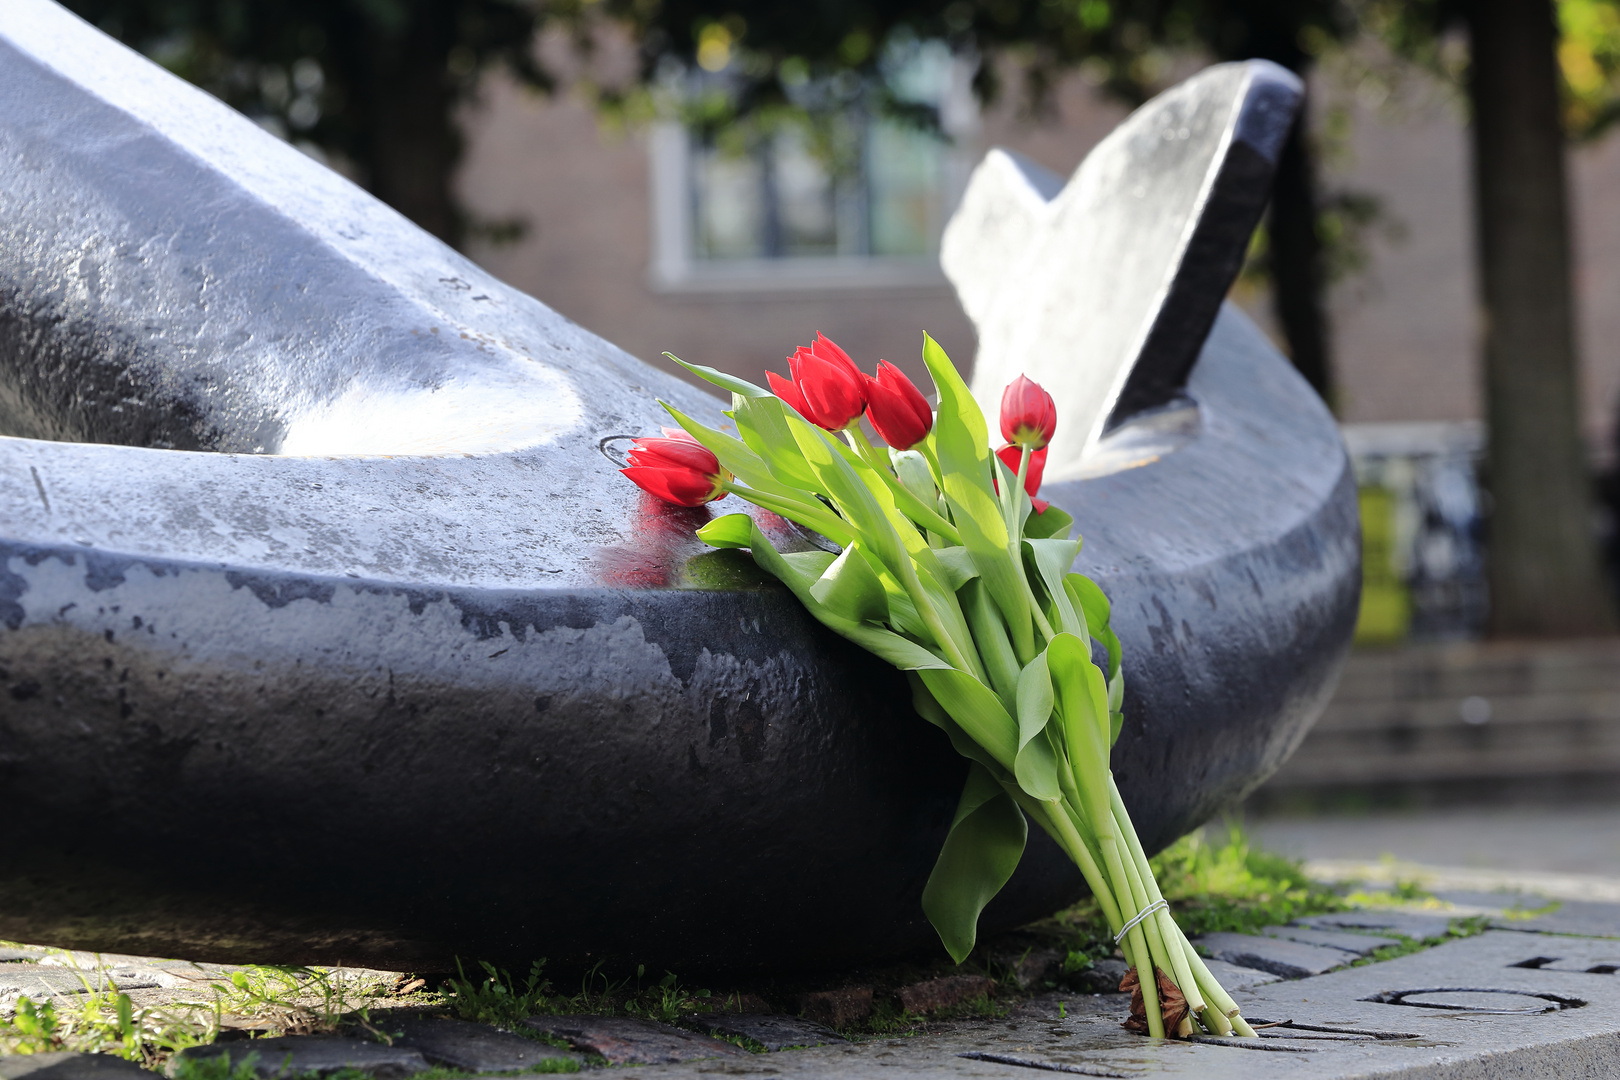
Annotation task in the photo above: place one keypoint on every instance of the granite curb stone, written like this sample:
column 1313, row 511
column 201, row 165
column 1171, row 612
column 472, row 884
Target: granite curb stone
column 630, row 1040
column 1290, row 959
column 297, row 1055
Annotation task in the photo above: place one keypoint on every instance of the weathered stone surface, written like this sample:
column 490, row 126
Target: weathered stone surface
column 473, row 1047
column 46, row 980
column 629, row 1040
column 1102, row 977
column 1570, row 917
column 1412, row 924
column 837, row 1008
column 1360, row 944
column 1237, row 979
column 9, row 956
column 943, row 992
column 64, row 1066
column 770, row 1030
column 296, row 1055
column 1335, row 1032
column 1290, row 959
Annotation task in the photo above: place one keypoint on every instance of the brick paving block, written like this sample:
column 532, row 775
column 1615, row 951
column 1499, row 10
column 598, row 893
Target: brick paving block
column 1412, row 924
column 298, row 1055
column 475, row 1048
column 65, row 1066
column 1290, row 959
column 630, row 1040
column 837, row 1008
column 772, row 1031
column 1360, row 944
column 943, row 992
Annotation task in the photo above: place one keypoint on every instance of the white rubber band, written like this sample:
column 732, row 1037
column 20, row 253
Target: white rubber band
column 1157, row 905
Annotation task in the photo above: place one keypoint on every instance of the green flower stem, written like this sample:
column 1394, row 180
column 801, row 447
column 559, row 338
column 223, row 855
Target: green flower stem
column 1168, row 931
column 931, row 521
column 1012, row 503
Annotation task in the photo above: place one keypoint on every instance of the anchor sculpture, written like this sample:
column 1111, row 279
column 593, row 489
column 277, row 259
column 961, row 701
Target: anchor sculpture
column 328, row 632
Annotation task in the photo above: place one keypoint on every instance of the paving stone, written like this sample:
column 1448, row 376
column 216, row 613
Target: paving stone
column 10, row 955
column 772, row 1031
column 296, row 1055
column 1290, row 959
column 1237, row 979
column 1412, row 924
column 49, row 980
column 476, row 1048
column 943, row 992
column 837, row 1008
column 630, row 1040
column 69, row 1067
column 1360, row 944
column 1583, row 917
column 1102, row 977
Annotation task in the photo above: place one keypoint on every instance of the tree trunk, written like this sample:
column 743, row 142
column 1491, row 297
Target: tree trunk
column 1298, row 281
column 411, row 145
column 1545, row 577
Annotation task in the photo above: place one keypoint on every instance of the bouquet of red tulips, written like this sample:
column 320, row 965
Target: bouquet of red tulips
column 951, row 570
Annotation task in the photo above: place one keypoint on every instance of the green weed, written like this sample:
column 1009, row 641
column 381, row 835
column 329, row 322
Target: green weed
column 1232, row 885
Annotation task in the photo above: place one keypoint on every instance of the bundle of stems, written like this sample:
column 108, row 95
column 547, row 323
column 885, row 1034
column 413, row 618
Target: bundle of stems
column 947, row 571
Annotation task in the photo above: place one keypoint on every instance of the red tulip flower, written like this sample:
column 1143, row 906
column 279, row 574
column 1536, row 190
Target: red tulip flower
column 827, row 386
column 1028, row 414
column 897, row 408
column 1010, row 455
column 677, row 469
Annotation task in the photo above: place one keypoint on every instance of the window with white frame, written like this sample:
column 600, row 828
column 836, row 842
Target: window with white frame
column 857, row 199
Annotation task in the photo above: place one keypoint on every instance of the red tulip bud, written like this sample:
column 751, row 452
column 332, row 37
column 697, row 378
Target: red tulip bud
column 677, row 469
column 1010, row 455
column 1028, row 414
column 897, row 408
column 827, row 386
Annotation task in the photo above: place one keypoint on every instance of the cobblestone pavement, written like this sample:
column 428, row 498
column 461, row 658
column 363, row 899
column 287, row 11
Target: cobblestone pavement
column 1534, row 995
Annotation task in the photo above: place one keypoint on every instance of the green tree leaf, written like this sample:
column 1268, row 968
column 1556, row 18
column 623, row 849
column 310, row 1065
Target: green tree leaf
column 982, row 851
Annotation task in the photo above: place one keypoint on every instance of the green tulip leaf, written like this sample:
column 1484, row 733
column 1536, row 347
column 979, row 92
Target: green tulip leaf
column 731, row 531
column 721, row 379
column 1053, row 522
column 958, row 566
column 961, row 441
column 912, row 469
column 1035, row 699
column 980, row 854
column 990, row 637
column 1094, row 603
column 978, row 710
column 1053, row 559
column 1082, row 706
column 762, row 423
column 851, row 588
column 1036, row 768
column 794, row 572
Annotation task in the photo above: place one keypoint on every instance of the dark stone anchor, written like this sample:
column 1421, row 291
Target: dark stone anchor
column 328, row 633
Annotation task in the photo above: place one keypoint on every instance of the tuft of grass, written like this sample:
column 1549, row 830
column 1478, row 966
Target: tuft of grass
column 1459, row 928
column 105, row 1021
column 497, row 999
column 1229, row 884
